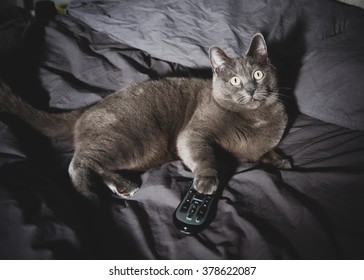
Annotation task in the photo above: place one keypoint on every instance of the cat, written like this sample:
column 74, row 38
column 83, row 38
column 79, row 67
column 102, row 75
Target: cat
column 148, row 124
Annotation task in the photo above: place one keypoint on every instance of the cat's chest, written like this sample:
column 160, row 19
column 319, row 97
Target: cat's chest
column 249, row 139
column 240, row 135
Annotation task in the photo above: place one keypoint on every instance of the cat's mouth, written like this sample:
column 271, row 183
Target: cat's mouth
column 250, row 102
column 253, row 103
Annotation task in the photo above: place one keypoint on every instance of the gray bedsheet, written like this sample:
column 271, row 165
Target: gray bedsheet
column 313, row 211
column 312, row 42
column 310, row 212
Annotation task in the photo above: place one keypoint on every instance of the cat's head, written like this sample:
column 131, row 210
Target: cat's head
column 245, row 82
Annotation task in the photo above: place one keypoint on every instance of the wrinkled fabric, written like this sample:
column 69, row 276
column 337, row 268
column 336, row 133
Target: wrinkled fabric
column 92, row 65
column 316, row 45
column 310, row 212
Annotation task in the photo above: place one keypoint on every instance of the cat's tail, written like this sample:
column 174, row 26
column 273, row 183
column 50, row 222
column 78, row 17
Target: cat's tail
column 52, row 125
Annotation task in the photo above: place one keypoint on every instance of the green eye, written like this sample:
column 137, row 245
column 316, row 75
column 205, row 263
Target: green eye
column 235, row 81
column 258, row 75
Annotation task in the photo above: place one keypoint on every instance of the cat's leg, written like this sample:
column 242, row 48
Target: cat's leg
column 274, row 159
column 82, row 174
column 199, row 156
column 84, row 171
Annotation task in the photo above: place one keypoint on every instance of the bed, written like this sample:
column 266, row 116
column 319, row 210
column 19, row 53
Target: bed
column 65, row 61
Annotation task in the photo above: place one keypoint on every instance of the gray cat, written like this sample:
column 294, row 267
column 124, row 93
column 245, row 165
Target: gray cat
column 148, row 124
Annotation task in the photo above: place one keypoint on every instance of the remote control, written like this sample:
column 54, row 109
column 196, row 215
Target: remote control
column 195, row 211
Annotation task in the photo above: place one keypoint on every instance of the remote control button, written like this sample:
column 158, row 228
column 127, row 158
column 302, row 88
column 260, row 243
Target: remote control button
column 185, row 207
column 192, row 191
column 207, row 199
column 198, row 219
column 189, row 216
column 196, row 202
column 199, row 196
column 201, row 212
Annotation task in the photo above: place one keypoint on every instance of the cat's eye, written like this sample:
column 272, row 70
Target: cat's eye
column 235, row 81
column 258, row 75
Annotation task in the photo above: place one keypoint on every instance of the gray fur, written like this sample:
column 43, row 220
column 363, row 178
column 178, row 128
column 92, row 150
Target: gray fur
column 148, row 124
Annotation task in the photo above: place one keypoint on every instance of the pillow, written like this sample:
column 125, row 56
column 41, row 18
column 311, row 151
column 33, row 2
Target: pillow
column 330, row 84
column 358, row 3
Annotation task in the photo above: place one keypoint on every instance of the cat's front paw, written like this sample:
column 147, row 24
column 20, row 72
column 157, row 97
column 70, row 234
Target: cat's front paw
column 206, row 184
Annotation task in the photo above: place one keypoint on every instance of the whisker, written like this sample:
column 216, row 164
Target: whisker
column 240, row 98
column 285, row 103
column 285, row 88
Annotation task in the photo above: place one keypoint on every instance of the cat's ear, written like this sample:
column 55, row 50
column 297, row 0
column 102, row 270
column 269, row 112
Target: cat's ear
column 257, row 46
column 218, row 58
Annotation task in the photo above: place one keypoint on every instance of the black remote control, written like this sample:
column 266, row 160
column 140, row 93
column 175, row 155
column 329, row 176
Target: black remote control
column 195, row 211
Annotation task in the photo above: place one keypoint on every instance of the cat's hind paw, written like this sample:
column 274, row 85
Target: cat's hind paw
column 123, row 193
column 283, row 164
column 121, row 185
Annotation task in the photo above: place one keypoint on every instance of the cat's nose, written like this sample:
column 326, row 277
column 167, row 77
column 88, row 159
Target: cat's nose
column 250, row 92
column 250, row 89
